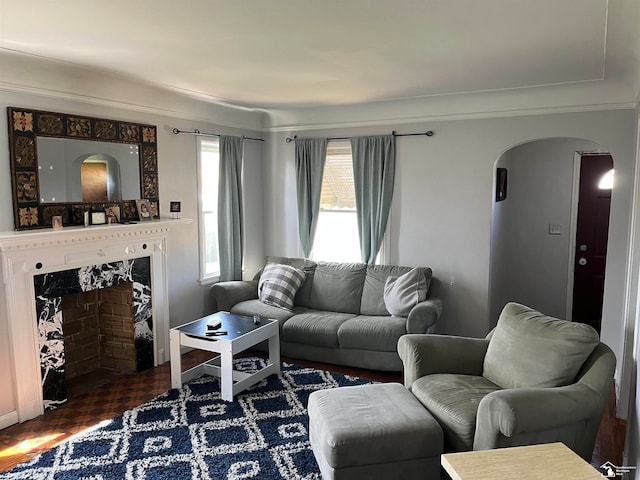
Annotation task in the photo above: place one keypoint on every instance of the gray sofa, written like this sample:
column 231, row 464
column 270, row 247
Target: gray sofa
column 339, row 313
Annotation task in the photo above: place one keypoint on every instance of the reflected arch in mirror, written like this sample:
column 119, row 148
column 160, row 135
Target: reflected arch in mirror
column 99, row 179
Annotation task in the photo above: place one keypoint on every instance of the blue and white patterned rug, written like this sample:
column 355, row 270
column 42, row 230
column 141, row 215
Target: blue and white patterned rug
column 190, row 433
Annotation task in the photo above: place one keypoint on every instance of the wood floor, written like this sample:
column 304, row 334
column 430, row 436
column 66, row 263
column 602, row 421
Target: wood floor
column 21, row 442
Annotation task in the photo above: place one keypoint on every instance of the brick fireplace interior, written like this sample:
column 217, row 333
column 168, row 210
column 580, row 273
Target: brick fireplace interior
column 98, row 332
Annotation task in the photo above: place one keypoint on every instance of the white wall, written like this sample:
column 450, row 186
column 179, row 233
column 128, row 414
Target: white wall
column 441, row 214
column 72, row 90
column 531, row 266
column 632, row 373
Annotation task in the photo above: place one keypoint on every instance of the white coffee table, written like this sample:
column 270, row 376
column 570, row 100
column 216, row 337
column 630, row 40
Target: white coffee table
column 242, row 334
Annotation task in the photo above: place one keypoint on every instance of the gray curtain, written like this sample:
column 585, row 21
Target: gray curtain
column 311, row 154
column 374, row 165
column 230, row 242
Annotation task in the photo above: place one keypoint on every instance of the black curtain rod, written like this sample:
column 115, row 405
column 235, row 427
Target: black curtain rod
column 428, row 133
column 203, row 134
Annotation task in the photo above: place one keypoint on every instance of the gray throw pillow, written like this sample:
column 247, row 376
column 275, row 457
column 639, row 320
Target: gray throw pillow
column 529, row 349
column 403, row 293
column 278, row 285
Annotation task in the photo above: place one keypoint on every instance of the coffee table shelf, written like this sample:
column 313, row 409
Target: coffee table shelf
column 242, row 334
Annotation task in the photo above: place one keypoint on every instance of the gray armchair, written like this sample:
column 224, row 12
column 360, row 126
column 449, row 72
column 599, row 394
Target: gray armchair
column 533, row 379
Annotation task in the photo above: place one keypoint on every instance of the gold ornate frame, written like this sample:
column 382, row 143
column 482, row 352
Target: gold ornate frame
column 26, row 125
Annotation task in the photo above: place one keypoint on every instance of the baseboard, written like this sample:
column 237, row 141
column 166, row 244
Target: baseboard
column 8, row 419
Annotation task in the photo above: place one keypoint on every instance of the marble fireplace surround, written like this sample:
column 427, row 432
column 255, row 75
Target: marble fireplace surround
column 28, row 255
column 50, row 288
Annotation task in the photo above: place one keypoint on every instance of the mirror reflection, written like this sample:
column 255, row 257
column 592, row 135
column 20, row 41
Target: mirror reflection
column 75, row 170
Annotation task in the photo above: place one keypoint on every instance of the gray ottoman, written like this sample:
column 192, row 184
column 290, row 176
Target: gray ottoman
column 377, row 431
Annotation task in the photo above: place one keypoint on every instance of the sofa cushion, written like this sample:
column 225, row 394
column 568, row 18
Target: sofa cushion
column 529, row 349
column 308, row 267
column 376, row 333
column 453, row 401
column 278, row 285
column 256, row 307
column 319, row 329
column 373, row 291
column 403, row 293
column 337, row 287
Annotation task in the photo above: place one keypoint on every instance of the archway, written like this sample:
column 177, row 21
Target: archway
column 534, row 227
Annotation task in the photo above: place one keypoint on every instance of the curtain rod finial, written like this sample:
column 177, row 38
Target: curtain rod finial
column 176, row 131
column 429, row 133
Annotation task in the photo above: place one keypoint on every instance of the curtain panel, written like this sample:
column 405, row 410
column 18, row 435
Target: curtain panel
column 230, row 234
column 311, row 155
column 374, row 165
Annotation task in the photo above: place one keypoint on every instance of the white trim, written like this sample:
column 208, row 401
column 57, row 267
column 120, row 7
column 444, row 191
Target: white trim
column 204, row 278
column 8, row 419
column 454, row 116
column 220, row 120
column 627, row 368
column 573, row 227
column 209, row 280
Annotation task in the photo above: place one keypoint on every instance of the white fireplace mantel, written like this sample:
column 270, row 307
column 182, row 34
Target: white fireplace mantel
column 25, row 254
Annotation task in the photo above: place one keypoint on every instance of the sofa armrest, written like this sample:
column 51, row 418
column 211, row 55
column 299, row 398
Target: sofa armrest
column 427, row 354
column 423, row 317
column 227, row 294
column 514, row 416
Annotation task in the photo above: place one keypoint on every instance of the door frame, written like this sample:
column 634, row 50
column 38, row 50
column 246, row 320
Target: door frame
column 573, row 227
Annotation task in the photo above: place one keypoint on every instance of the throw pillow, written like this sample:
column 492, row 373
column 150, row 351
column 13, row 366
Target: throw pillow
column 402, row 293
column 278, row 285
column 529, row 349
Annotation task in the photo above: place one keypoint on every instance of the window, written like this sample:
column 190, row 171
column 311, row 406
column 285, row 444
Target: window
column 336, row 236
column 208, row 173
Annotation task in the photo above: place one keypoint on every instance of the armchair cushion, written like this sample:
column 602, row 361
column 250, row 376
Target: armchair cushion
column 453, row 401
column 529, row 349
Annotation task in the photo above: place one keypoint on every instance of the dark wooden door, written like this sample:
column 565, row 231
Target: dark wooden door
column 591, row 240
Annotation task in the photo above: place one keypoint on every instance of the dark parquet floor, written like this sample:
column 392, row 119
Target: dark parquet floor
column 18, row 443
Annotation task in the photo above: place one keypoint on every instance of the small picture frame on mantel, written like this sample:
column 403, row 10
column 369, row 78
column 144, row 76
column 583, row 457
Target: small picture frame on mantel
column 144, row 210
column 56, row 222
column 175, row 208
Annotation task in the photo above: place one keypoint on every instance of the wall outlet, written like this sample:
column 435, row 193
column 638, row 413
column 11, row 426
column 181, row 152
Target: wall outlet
column 555, row 229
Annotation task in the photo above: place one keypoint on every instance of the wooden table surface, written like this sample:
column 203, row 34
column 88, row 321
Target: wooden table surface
column 549, row 461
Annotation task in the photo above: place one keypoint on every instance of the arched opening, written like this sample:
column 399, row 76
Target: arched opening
column 534, row 256
column 98, row 178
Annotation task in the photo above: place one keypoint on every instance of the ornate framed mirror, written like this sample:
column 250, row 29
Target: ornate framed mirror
column 65, row 165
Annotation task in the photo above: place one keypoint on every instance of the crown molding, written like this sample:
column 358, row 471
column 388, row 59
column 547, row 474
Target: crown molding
column 119, row 104
column 454, row 116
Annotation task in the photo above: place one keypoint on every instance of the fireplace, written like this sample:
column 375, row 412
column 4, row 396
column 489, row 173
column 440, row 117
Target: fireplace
column 50, row 290
column 39, row 268
column 98, row 335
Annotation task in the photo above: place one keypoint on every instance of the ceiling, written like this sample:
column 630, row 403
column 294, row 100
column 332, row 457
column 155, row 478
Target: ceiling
column 291, row 53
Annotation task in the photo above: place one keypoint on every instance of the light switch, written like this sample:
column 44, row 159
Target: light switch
column 555, row 229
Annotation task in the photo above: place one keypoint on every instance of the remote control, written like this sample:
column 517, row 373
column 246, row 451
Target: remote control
column 213, row 324
column 216, row 333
